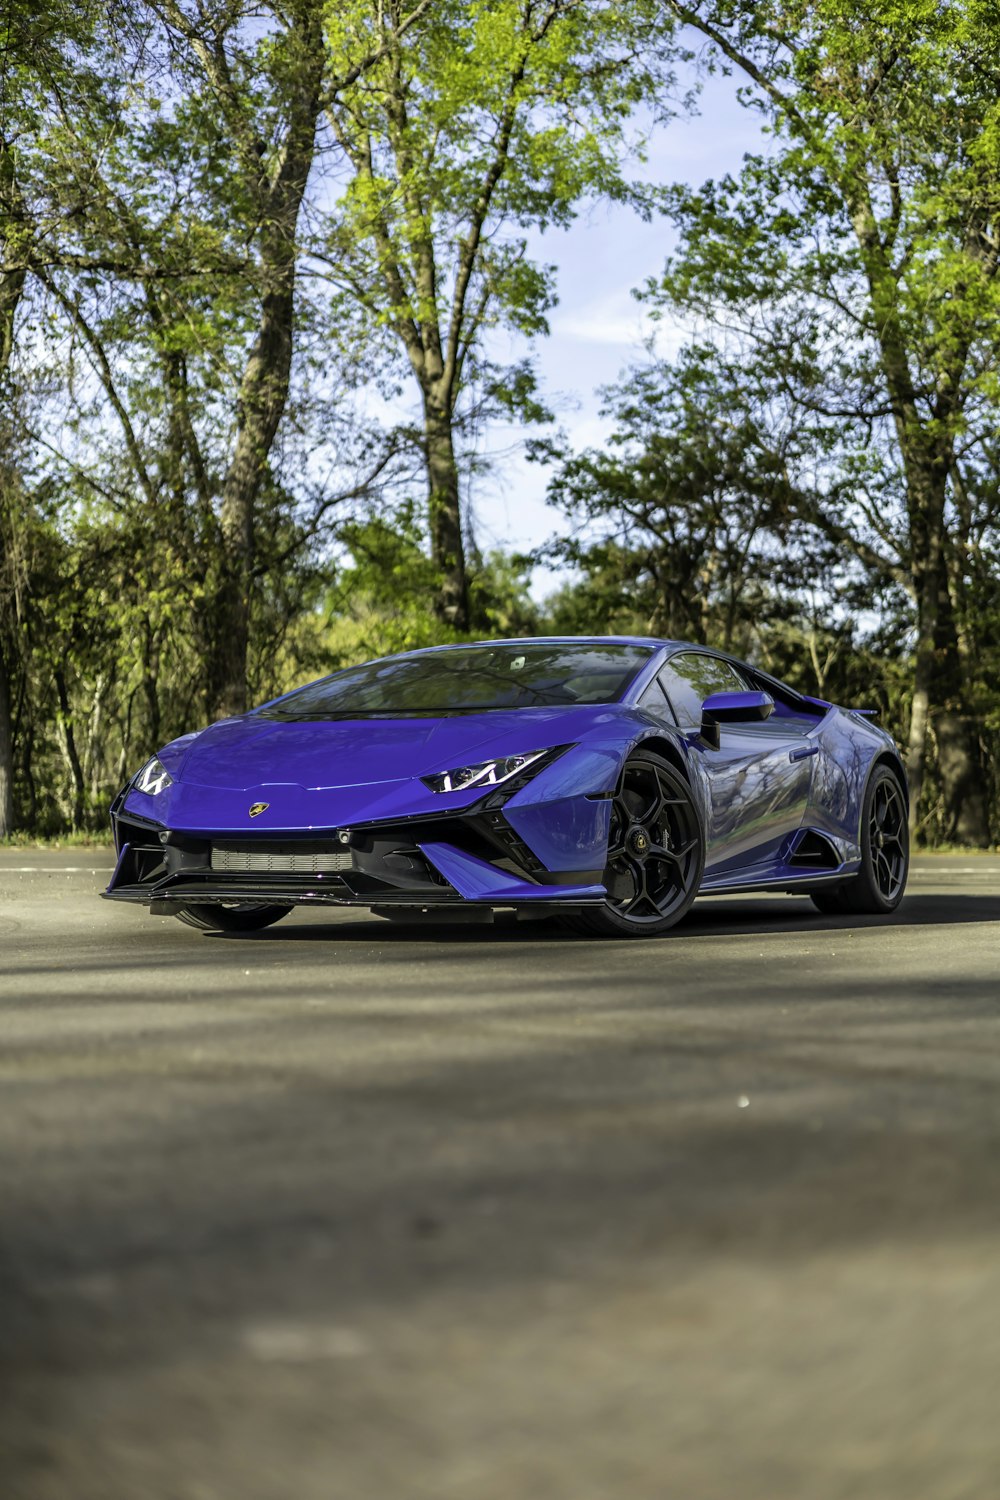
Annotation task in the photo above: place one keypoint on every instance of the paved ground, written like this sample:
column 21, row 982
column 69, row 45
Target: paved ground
column 350, row 1212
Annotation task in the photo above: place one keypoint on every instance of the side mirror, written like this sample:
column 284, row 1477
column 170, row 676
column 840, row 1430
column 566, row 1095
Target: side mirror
column 733, row 708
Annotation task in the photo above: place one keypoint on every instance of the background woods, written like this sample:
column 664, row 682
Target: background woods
column 268, row 271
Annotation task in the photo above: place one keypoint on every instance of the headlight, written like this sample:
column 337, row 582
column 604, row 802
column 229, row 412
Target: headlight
column 486, row 773
column 153, row 778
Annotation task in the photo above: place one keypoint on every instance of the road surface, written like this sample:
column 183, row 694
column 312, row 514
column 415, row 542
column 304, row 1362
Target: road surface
column 346, row 1211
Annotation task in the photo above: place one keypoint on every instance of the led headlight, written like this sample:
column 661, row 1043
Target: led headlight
column 153, row 778
column 486, row 773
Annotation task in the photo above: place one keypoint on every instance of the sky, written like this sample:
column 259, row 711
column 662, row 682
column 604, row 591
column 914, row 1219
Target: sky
column 598, row 328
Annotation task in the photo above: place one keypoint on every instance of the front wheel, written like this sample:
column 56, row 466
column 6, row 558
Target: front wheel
column 656, row 852
column 211, row 918
column 877, row 888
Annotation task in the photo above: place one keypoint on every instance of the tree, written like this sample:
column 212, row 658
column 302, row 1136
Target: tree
column 11, row 287
column 687, row 511
column 269, row 172
column 32, row 40
column 8, row 643
column 860, row 257
column 163, row 195
column 485, row 119
column 252, row 110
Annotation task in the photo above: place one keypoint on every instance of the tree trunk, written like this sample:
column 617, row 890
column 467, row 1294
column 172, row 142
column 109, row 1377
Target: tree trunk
column 940, row 691
column 927, row 455
column 963, row 783
column 27, row 751
column 265, row 381
column 922, row 564
column 444, row 507
column 6, row 754
column 70, row 752
column 11, row 289
column 263, row 393
column 150, row 687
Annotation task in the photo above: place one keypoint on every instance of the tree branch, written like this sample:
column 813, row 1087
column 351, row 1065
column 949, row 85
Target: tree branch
column 103, row 370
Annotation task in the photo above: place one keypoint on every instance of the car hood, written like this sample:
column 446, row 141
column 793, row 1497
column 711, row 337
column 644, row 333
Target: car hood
column 254, row 751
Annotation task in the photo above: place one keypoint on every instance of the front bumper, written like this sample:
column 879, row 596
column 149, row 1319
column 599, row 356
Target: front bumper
column 476, row 860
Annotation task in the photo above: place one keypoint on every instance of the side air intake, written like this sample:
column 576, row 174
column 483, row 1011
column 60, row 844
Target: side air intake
column 814, row 851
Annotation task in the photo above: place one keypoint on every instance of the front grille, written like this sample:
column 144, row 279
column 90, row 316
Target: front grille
column 282, row 859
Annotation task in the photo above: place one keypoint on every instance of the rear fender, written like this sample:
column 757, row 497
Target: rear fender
column 852, row 751
column 891, row 759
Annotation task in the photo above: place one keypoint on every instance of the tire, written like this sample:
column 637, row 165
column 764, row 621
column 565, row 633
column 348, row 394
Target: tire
column 212, row 918
column 830, row 901
column 877, row 888
column 656, row 852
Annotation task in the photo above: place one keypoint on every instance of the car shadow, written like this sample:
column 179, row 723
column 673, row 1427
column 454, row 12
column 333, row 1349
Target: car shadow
column 713, row 917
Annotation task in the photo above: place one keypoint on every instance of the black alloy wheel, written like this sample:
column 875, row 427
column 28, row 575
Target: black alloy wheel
column 656, row 852
column 878, row 887
column 246, row 918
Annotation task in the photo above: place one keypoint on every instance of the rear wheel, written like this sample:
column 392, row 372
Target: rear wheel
column 656, row 852
column 250, row 918
column 878, row 887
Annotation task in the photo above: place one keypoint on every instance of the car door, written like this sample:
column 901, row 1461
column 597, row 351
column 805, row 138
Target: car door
column 758, row 778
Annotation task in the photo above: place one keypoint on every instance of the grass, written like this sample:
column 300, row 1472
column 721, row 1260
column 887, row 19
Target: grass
column 78, row 840
column 956, row 849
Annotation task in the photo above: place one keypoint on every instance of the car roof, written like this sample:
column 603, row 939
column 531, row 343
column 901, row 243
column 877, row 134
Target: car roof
column 653, row 642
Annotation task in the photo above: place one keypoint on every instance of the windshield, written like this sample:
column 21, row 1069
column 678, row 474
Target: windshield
column 470, row 679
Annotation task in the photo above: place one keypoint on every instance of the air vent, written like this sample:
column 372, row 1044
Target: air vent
column 513, row 843
column 281, row 859
column 814, row 851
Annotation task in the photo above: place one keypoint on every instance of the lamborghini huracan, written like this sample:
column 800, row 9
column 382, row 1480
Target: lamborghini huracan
column 611, row 780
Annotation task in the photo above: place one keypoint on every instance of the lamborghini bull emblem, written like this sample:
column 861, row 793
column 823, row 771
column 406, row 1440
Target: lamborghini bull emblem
column 256, row 808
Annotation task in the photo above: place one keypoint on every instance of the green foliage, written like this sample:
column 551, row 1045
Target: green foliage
column 381, row 599
column 482, row 121
column 688, row 522
column 852, row 270
column 467, row 123
column 187, row 361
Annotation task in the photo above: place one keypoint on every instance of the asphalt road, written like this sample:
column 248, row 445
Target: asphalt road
column 344, row 1211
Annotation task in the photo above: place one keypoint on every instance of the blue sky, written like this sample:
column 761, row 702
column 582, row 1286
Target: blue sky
column 598, row 328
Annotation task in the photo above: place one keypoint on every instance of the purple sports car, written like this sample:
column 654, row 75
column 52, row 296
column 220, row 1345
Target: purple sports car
column 609, row 779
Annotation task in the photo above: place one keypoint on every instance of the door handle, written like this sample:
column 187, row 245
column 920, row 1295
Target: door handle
column 803, row 752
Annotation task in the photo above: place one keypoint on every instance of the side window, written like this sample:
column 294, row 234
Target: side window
column 654, row 701
column 691, row 678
